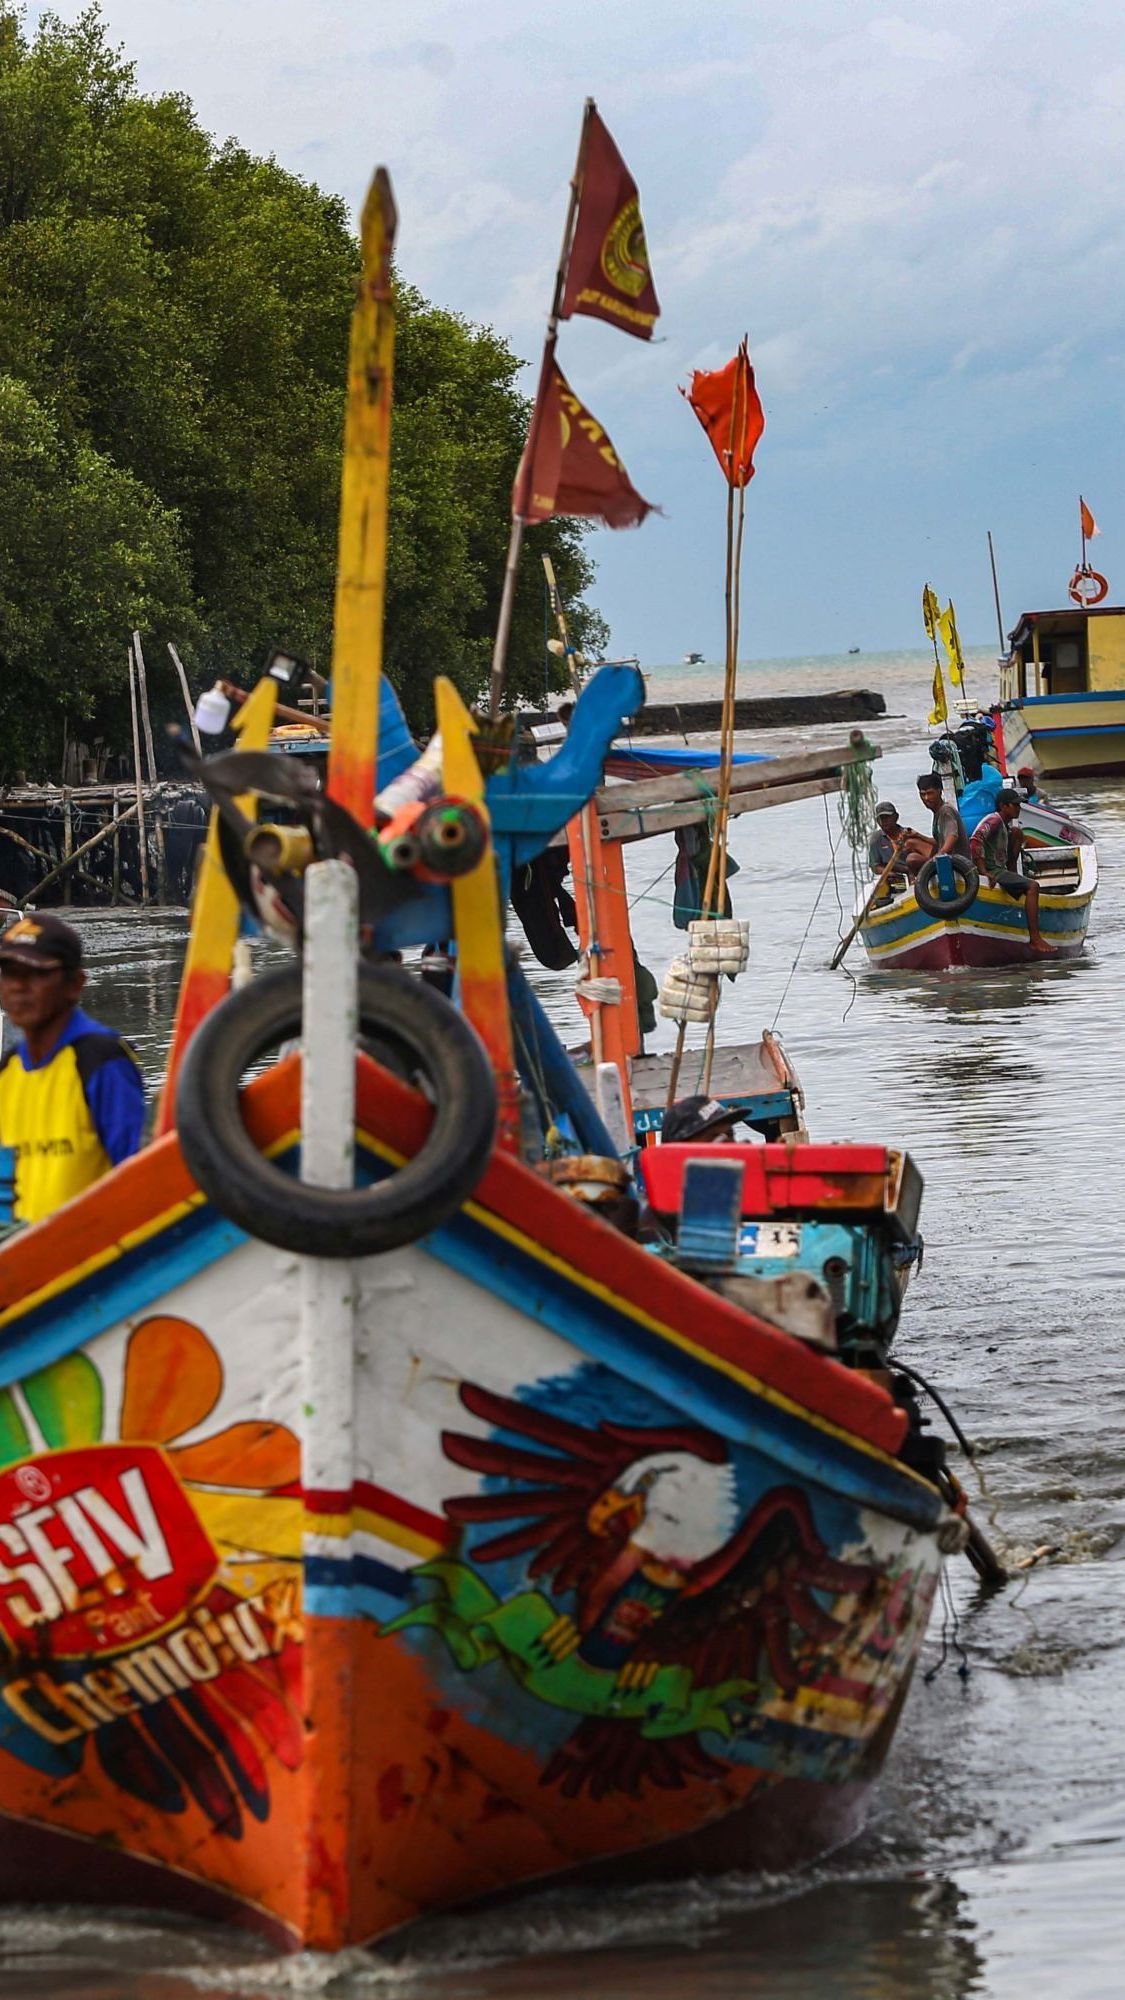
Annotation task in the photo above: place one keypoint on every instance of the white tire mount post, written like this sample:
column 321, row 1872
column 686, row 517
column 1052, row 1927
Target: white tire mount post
column 328, row 1042
column 329, row 1022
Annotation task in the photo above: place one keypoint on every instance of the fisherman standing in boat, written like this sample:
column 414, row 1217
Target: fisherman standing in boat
column 72, row 1099
column 949, row 836
column 997, row 844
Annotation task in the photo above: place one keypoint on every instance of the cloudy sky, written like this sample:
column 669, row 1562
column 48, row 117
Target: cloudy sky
column 915, row 211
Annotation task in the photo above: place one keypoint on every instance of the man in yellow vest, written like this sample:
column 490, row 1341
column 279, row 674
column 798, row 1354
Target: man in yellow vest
column 72, row 1099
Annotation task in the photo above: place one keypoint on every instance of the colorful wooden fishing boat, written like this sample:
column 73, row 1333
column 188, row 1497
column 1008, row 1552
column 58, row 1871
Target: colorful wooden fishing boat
column 902, row 935
column 1062, row 692
column 380, row 1533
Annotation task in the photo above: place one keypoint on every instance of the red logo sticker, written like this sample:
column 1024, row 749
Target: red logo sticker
column 99, row 1549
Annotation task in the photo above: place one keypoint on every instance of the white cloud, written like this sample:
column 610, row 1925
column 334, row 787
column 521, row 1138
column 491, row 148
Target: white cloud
column 916, row 215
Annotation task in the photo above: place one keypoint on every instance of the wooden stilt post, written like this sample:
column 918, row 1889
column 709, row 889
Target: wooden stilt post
column 115, row 877
column 68, row 844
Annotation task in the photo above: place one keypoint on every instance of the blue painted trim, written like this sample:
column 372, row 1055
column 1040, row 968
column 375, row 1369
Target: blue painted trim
column 337, row 1572
column 594, row 1326
column 1057, row 700
column 126, row 1287
column 1093, row 729
column 996, row 917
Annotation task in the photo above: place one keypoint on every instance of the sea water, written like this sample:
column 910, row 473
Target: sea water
column 993, row 1862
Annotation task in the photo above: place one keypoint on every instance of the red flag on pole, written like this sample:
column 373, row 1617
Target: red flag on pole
column 569, row 465
column 1089, row 526
column 608, row 275
column 726, row 402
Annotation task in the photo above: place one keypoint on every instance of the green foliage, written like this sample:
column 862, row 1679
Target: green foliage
column 173, row 339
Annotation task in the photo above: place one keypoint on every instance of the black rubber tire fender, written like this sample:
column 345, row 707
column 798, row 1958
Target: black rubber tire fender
column 395, row 1009
column 953, row 906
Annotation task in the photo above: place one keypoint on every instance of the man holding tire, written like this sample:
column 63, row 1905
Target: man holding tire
column 996, row 845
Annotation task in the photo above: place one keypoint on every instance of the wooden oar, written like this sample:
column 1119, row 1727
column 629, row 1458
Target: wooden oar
column 842, row 947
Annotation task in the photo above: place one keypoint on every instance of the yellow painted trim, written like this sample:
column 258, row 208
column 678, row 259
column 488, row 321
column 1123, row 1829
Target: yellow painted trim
column 363, row 1521
column 262, row 1524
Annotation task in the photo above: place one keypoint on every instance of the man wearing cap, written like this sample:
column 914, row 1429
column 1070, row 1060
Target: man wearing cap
column 72, row 1099
column 1029, row 786
column 913, row 847
column 700, row 1121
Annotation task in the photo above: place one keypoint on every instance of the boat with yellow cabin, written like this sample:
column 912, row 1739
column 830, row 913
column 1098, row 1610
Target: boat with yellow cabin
column 1062, row 691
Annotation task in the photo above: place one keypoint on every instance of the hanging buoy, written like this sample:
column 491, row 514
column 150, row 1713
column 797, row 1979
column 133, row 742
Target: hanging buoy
column 719, row 944
column 688, row 995
column 1087, row 586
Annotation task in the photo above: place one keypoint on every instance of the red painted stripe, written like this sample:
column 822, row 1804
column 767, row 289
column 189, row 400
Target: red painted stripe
column 327, row 1500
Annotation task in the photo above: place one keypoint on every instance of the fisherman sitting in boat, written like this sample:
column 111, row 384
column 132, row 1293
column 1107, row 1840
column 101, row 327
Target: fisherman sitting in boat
column 996, row 847
column 949, row 836
column 890, row 833
column 1029, row 786
column 72, row 1099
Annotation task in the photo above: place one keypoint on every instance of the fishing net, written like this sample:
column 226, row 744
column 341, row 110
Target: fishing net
column 857, row 809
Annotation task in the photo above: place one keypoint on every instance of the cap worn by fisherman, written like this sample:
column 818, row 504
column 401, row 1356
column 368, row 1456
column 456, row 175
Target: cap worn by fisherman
column 691, row 1117
column 885, row 810
column 72, row 1098
column 45, row 941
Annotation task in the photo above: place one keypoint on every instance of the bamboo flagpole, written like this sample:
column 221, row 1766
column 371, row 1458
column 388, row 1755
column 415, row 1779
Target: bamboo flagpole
column 996, row 591
column 519, row 498
column 744, row 428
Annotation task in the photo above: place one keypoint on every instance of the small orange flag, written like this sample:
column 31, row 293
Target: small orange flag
column 726, row 402
column 1090, row 527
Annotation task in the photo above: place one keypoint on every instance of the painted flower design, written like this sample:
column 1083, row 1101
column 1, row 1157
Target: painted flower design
column 149, row 1590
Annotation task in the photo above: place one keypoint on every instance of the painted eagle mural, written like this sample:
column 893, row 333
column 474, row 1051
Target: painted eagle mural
column 643, row 1526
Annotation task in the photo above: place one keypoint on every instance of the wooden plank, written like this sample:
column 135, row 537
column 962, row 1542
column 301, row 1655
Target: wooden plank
column 744, row 777
column 640, row 824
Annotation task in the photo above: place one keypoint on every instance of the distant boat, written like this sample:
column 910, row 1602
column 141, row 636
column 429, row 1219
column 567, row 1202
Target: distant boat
column 853, row 649
column 693, row 659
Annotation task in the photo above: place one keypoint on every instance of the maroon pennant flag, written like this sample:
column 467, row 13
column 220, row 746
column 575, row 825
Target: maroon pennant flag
column 608, row 275
column 569, row 465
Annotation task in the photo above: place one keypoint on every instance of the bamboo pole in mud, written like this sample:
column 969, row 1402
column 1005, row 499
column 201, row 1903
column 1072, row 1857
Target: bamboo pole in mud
column 188, row 703
column 115, row 877
column 146, row 718
column 142, row 839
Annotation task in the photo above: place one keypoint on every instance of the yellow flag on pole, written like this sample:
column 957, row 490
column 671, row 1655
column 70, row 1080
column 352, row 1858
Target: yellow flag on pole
column 939, row 712
column 930, row 611
column 950, row 639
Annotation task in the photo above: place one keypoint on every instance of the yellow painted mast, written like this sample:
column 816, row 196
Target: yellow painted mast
column 361, row 574
column 478, row 919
